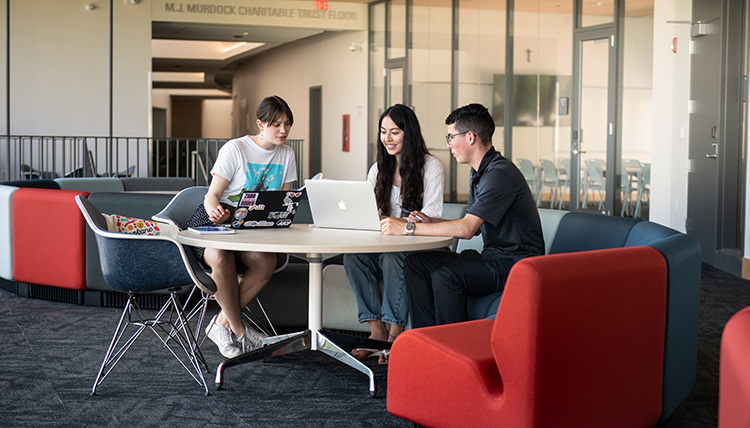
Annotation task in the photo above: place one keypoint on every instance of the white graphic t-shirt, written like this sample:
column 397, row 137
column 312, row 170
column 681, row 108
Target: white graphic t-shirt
column 248, row 166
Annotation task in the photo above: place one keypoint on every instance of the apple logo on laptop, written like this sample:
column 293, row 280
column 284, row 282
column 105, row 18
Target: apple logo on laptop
column 342, row 204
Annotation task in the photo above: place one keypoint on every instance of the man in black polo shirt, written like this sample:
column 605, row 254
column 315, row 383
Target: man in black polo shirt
column 500, row 206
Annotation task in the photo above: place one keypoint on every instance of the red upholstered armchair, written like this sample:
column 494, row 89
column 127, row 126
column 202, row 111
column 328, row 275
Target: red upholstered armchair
column 49, row 248
column 578, row 341
column 734, row 372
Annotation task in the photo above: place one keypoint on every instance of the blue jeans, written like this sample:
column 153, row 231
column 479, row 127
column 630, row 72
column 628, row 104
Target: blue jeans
column 364, row 271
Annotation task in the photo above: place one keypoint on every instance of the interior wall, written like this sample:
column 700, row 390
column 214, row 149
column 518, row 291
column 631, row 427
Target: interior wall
column 671, row 94
column 3, row 75
column 57, row 81
column 131, row 73
column 160, row 98
column 61, row 85
column 746, row 191
column 289, row 71
column 217, row 119
column 637, row 96
column 131, row 77
column 59, row 78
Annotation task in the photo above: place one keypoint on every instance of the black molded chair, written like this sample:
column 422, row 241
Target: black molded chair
column 141, row 263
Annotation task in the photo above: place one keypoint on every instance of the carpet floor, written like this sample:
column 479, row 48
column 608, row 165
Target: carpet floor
column 50, row 353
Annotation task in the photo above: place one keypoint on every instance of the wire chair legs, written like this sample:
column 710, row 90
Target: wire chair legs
column 169, row 325
column 268, row 328
column 199, row 310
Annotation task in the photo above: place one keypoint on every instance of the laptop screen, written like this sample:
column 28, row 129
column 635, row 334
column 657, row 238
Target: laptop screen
column 271, row 208
column 343, row 204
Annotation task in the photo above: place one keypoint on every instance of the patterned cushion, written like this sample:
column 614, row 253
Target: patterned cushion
column 137, row 226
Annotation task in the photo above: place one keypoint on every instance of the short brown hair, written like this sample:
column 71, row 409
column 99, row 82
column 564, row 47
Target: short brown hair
column 272, row 108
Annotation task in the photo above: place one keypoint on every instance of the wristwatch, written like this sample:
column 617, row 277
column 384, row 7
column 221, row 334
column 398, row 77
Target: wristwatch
column 410, row 228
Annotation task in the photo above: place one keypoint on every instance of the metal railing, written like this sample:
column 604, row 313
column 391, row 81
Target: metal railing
column 49, row 157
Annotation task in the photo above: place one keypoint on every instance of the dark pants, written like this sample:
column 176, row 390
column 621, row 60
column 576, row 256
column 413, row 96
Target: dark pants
column 438, row 283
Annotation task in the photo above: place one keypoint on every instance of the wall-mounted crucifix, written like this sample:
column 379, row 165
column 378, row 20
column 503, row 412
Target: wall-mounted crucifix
column 528, row 54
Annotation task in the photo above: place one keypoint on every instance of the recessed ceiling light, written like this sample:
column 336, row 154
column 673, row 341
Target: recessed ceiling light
column 165, row 76
column 206, row 50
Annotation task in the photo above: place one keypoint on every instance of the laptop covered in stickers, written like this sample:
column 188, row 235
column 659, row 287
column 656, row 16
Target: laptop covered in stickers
column 265, row 209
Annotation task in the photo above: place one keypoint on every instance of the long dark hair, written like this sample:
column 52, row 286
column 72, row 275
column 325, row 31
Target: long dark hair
column 411, row 168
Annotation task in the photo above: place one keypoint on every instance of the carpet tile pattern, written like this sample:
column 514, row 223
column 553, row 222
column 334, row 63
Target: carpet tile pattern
column 50, row 353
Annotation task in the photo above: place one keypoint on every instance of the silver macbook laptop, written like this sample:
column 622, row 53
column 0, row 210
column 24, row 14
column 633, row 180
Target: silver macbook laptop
column 343, row 204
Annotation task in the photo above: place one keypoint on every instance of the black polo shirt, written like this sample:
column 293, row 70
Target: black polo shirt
column 500, row 196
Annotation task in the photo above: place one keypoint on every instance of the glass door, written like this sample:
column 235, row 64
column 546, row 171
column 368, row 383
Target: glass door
column 593, row 122
column 395, row 86
column 389, row 59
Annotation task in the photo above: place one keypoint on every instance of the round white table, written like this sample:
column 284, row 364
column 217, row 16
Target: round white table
column 313, row 245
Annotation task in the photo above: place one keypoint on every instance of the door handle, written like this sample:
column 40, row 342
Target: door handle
column 715, row 153
column 578, row 139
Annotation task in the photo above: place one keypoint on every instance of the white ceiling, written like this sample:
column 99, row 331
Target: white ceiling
column 201, row 48
column 215, row 50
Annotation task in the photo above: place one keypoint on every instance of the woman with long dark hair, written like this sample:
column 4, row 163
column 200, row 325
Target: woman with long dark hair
column 406, row 179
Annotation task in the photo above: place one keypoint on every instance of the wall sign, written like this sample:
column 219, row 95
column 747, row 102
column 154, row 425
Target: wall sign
column 314, row 14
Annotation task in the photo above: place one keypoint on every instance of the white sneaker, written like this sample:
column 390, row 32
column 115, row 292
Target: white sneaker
column 252, row 339
column 222, row 336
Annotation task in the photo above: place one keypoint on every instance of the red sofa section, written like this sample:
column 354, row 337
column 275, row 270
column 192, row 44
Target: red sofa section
column 578, row 341
column 49, row 245
column 734, row 372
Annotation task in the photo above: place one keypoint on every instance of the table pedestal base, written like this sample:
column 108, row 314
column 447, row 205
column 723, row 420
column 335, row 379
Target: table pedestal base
column 336, row 345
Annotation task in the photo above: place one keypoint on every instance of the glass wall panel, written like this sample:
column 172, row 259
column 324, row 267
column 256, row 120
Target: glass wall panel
column 395, row 86
column 594, row 120
column 542, row 81
column 597, row 12
column 481, row 56
column 542, row 68
column 377, row 51
column 636, row 107
column 430, row 68
column 397, row 28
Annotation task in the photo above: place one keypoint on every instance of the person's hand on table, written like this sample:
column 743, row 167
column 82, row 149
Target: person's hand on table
column 393, row 226
column 218, row 214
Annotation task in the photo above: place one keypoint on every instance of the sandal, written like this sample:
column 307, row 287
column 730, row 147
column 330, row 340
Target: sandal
column 362, row 353
column 383, row 358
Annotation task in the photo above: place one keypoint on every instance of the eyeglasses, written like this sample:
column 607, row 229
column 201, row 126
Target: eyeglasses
column 449, row 137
